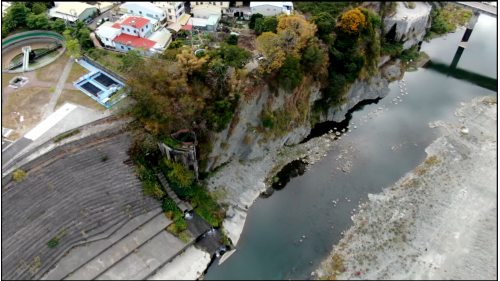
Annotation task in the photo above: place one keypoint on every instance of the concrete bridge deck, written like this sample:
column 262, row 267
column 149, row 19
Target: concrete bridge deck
column 478, row 6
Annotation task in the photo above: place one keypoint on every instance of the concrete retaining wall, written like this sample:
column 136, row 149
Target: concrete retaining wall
column 19, row 40
column 105, row 69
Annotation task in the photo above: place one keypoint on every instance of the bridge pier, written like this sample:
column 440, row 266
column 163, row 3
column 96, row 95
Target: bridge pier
column 468, row 31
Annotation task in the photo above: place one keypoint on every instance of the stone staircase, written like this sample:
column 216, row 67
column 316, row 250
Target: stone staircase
column 184, row 206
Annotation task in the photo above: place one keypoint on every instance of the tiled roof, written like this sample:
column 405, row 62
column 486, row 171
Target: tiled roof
column 139, row 22
column 137, row 42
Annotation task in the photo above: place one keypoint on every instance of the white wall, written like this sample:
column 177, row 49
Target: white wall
column 267, row 10
column 204, row 13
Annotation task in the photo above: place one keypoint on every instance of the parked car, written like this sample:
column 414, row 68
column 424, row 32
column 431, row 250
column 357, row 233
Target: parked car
column 88, row 21
column 103, row 20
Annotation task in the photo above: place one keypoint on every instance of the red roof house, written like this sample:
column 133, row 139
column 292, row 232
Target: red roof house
column 136, row 22
column 134, row 41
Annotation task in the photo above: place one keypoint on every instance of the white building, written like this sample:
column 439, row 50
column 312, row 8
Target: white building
column 107, row 33
column 5, row 5
column 73, row 11
column 271, row 8
column 175, row 10
column 224, row 5
column 146, row 10
column 205, row 11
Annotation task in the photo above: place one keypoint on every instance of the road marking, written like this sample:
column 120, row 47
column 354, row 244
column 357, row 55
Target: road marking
column 48, row 123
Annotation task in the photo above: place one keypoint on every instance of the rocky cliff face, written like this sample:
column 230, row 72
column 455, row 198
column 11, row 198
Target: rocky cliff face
column 412, row 29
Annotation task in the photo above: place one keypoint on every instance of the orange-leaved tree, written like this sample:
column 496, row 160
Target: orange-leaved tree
column 299, row 27
column 353, row 22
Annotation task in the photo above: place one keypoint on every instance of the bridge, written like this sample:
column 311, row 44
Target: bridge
column 477, row 9
column 478, row 6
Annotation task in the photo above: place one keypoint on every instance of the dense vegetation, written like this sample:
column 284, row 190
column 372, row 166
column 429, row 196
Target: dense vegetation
column 446, row 19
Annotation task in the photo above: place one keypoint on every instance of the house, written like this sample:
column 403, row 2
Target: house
column 136, row 26
column 73, row 11
column 126, row 42
column 175, row 10
column 271, row 8
column 147, row 10
column 205, row 11
column 224, row 5
column 162, row 38
column 104, row 6
column 198, row 23
column 107, row 33
column 213, row 22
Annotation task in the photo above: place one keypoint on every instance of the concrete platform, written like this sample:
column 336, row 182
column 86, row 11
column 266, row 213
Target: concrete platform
column 106, row 253
column 138, row 265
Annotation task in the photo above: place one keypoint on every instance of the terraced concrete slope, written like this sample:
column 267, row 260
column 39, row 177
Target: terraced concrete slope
column 80, row 198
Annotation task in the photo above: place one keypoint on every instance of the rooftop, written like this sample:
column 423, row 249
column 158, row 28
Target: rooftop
column 212, row 19
column 276, row 4
column 210, row 7
column 147, row 5
column 140, row 22
column 70, row 8
column 136, row 42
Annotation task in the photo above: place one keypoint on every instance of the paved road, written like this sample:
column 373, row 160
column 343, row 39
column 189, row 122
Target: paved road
column 480, row 6
column 59, row 87
column 14, row 149
column 106, row 14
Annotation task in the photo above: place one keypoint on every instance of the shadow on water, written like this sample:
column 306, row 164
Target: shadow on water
column 323, row 128
column 291, row 170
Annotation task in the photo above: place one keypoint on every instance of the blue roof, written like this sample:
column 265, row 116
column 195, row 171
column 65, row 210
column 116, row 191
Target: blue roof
column 212, row 19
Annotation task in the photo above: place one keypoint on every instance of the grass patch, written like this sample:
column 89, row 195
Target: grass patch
column 412, row 70
column 76, row 72
column 53, row 71
column 58, row 139
column 18, row 175
column 52, row 89
column 6, row 78
column 80, row 98
column 110, row 60
column 184, row 237
column 30, row 103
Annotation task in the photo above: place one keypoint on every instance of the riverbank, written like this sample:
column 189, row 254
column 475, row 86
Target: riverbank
column 439, row 220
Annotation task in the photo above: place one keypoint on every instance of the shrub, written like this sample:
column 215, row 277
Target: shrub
column 53, row 243
column 232, row 40
column 152, row 188
column 267, row 122
column 179, row 173
column 176, row 44
column 248, row 140
column 58, row 139
column 52, row 89
column 184, row 237
column 104, row 158
column 18, row 175
column 169, row 205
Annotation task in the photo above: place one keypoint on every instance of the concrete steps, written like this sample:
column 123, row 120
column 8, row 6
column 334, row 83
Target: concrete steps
column 81, row 255
column 149, row 257
column 131, row 238
column 183, row 206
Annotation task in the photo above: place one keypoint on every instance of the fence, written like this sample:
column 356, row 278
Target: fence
column 44, row 145
column 105, row 69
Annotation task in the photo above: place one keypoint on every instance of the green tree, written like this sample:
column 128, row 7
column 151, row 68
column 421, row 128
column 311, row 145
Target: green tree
column 176, row 44
column 259, row 26
column 289, row 76
column 231, row 55
column 58, row 26
column 312, row 58
column 19, row 13
column 38, row 8
column 38, row 21
column 254, row 17
column 270, row 24
column 84, row 38
column 232, row 40
column 325, row 23
column 73, row 47
column 179, row 173
column 221, row 115
column 130, row 59
column 183, row 33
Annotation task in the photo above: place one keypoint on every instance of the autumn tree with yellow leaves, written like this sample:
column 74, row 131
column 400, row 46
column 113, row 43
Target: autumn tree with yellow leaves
column 353, row 22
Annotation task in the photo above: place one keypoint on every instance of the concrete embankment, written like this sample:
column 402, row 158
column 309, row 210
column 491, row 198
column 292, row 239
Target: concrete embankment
column 440, row 220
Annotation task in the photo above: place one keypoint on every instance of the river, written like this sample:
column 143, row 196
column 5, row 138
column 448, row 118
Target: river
column 386, row 147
